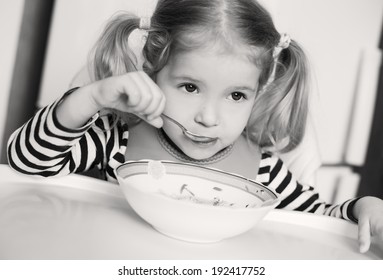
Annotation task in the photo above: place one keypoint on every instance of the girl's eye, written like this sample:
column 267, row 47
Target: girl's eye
column 190, row 88
column 237, row 96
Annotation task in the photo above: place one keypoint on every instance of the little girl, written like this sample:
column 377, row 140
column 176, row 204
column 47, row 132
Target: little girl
column 218, row 67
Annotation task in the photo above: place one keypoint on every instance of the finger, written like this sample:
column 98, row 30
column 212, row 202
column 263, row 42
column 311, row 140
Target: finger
column 157, row 109
column 129, row 98
column 155, row 118
column 157, row 122
column 364, row 235
column 146, row 94
column 152, row 107
column 130, row 93
column 158, row 102
column 154, row 121
column 161, row 107
column 152, row 100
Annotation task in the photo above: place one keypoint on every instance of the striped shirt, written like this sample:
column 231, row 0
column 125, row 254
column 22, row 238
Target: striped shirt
column 43, row 147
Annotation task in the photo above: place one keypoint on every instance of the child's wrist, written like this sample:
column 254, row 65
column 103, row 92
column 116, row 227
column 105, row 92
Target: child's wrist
column 356, row 206
column 94, row 93
column 77, row 108
column 363, row 205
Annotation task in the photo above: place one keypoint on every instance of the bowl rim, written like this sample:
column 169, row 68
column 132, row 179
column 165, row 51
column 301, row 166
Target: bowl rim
column 274, row 194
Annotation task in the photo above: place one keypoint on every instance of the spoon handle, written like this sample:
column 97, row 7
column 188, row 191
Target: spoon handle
column 174, row 121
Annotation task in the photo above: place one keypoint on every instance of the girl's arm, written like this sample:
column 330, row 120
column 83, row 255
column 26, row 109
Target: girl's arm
column 77, row 108
column 133, row 92
column 301, row 197
column 60, row 138
column 43, row 146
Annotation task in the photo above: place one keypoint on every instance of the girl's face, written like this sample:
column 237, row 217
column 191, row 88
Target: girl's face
column 211, row 93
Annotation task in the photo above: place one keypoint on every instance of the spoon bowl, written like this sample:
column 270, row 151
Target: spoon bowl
column 188, row 133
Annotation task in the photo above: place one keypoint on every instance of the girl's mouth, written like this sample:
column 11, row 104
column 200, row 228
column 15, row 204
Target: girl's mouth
column 190, row 135
column 202, row 140
column 199, row 138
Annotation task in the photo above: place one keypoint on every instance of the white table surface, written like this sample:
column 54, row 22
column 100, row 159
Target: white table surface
column 77, row 217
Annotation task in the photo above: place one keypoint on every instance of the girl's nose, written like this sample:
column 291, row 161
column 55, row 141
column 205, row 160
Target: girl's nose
column 207, row 115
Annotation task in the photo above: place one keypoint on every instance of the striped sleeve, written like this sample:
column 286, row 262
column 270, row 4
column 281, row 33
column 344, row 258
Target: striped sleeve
column 297, row 196
column 43, row 147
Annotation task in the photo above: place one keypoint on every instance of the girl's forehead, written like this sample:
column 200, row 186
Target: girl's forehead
column 230, row 45
column 211, row 65
column 212, row 50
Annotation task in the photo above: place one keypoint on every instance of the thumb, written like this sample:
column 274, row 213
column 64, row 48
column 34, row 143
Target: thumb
column 364, row 235
column 156, row 122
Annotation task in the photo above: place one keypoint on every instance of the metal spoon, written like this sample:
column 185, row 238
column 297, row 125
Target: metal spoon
column 190, row 134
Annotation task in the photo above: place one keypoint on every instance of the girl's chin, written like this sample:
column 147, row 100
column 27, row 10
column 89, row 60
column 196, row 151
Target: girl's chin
column 200, row 154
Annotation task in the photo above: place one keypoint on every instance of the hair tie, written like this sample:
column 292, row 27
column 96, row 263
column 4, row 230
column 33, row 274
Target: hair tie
column 284, row 42
column 144, row 23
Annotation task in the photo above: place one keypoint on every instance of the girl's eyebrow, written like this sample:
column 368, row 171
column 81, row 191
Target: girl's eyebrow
column 183, row 77
column 234, row 88
column 245, row 88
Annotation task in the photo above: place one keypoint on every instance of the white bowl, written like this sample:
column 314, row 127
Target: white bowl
column 194, row 203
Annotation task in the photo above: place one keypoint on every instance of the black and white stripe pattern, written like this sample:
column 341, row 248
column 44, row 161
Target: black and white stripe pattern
column 295, row 196
column 43, row 147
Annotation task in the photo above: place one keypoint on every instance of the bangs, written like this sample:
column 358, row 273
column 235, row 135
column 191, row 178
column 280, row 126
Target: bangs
column 223, row 43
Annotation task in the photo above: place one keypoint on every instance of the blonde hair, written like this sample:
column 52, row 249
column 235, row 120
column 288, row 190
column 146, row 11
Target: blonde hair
column 280, row 111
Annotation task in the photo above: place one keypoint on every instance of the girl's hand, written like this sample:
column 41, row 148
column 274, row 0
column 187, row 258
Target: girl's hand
column 133, row 92
column 369, row 211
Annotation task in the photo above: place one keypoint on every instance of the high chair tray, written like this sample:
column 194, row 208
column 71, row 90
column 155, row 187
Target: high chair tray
column 77, row 217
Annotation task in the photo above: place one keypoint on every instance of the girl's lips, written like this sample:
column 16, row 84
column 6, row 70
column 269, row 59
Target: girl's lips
column 201, row 141
column 199, row 138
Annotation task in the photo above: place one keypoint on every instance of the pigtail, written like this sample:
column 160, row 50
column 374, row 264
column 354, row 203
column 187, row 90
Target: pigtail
column 280, row 112
column 112, row 55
